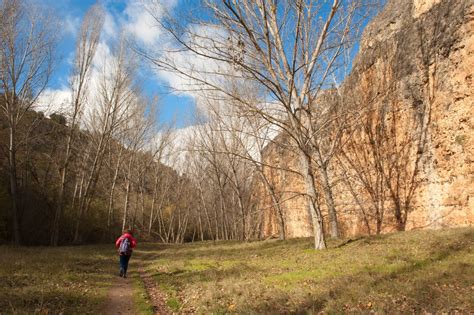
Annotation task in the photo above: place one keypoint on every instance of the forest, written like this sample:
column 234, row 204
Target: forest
column 319, row 159
column 81, row 169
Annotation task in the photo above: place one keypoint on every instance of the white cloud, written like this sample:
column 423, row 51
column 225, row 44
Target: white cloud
column 71, row 25
column 175, row 155
column 59, row 100
column 198, row 68
column 140, row 24
column 110, row 28
column 54, row 101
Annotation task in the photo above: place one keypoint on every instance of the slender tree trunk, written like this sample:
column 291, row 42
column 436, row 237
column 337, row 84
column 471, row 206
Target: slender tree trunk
column 243, row 217
column 62, row 186
column 184, row 227
column 201, row 233
column 153, row 202
column 223, row 214
column 59, row 208
column 83, row 202
column 276, row 204
column 206, row 212
column 169, row 233
column 333, row 225
column 216, row 224
column 110, row 212
column 14, row 187
column 240, row 204
column 142, row 202
column 125, row 208
column 314, row 211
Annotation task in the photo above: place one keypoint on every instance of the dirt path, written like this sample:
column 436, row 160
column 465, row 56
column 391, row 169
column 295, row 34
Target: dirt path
column 156, row 296
column 120, row 298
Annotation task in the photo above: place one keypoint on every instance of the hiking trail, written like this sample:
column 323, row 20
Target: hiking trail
column 120, row 297
column 156, row 296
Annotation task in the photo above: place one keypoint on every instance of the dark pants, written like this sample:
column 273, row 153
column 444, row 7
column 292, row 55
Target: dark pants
column 124, row 263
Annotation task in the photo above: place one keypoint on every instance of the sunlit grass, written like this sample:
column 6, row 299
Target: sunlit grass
column 419, row 271
column 141, row 299
column 402, row 272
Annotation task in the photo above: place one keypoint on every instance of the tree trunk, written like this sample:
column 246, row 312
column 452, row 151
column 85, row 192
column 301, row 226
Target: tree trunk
column 110, row 212
column 59, row 208
column 85, row 200
column 204, row 206
column 276, row 204
column 153, row 202
column 62, row 186
column 399, row 217
column 14, row 187
column 223, row 214
column 127, row 201
column 314, row 211
column 201, row 233
column 333, row 226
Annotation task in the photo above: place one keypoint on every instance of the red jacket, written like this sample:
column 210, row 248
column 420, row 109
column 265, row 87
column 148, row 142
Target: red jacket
column 133, row 241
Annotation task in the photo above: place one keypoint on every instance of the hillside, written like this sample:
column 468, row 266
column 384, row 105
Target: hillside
column 415, row 271
column 42, row 143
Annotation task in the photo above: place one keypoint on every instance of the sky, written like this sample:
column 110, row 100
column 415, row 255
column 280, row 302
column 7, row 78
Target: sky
column 131, row 16
column 174, row 107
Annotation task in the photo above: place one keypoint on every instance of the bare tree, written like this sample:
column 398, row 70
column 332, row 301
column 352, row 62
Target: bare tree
column 118, row 166
column 161, row 180
column 116, row 93
column 250, row 134
column 138, row 133
column 86, row 47
column 27, row 48
column 287, row 47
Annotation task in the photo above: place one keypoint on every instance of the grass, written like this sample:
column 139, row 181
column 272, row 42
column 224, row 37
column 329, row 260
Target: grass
column 417, row 271
column 55, row 280
column 411, row 272
column 140, row 297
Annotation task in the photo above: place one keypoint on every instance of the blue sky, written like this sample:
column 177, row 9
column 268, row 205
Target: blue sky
column 174, row 108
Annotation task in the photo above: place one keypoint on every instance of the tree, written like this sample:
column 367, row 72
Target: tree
column 161, row 179
column 289, row 48
column 28, row 41
column 138, row 129
column 250, row 134
column 116, row 94
column 86, row 48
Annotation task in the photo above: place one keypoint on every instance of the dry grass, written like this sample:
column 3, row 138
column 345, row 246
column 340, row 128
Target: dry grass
column 404, row 272
column 53, row 280
column 397, row 273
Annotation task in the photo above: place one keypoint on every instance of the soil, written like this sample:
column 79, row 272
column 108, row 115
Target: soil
column 120, row 298
column 157, row 297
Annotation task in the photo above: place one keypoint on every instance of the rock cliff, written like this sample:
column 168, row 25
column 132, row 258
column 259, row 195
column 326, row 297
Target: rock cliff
column 416, row 61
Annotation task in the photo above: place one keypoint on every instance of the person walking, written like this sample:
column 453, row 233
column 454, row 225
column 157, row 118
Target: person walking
column 125, row 244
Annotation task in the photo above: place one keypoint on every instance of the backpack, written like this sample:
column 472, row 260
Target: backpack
column 125, row 248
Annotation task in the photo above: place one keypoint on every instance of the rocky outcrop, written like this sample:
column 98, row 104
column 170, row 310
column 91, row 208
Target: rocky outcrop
column 416, row 56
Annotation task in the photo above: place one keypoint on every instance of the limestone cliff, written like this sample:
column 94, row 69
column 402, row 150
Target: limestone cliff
column 415, row 56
